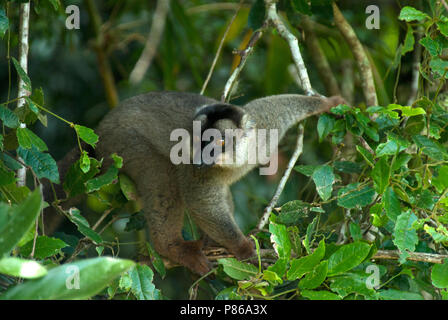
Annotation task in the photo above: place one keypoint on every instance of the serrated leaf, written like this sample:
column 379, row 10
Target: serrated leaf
column 393, row 294
column 238, row 270
column 323, row 178
column 347, row 167
column 439, row 275
column 74, row 182
column 306, row 264
column 410, row 14
column 43, row 164
column 347, row 257
column 350, row 197
column 405, row 237
column 431, row 45
column 409, row 41
column 315, row 278
column 368, row 157
column 8, row 117
column 352, row 283
column 79, row 280
column 27, row 139
column 142, row 286
column 45, row 247
column 87, row 135
column 306, row 170
column 324, row 126
column 280, row 240
column 391, row 204
column 84, row 162
column 96, row 183
column 431, row 148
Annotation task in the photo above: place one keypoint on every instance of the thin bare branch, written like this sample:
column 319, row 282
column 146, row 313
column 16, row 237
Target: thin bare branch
column 218, row 52
column 274, row 19
column 297, row 152
column 319, row 58
column 157, row 27
column 244, row 54
column 413, row 256
column 361, row 58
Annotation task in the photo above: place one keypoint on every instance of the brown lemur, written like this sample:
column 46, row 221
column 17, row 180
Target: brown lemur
column 139, row 130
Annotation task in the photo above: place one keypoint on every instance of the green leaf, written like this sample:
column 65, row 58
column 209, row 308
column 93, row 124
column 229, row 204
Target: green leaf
column 17, row 220
column 87, row 135
column 439, row 235
column 27, row 139
column 74, row 182
column 256, row 15
column 352, row 283
column 142, row 286
column 22, row 268
column 8, row 117
column 306, row 170
column 45, row 247
column 441, row 181
column 238, row 270
column 128, row 187
column 409, row 41
column 79, row 280
column 43, row 164
column 84, row 162
column 340, row 109
column 83, row 225
column 443, row 27
column 6, row 176
column 280, row 240
column 405, row 237
column 391, row 204
column 350, row 197
column 306, row 264
column 4, row 23
column 439, row 275
column 431, row 45
column 355, row 231
column 319, row 295
column 390, row 147
column 431, row 148
column 410, row 14
column 55, row 4
column 324, row 126
column 157, row 261
column 96, row 183
column 393, row 294
column 381, row 175
column 315, row 278
column 22, row 74
column 347, row 167
column 368, row 157
column 347, row 257
column 323, row 178
column 439, row 66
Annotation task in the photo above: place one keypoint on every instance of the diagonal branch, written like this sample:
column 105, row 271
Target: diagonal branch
column 361, row 58
column 274, row 19
column 158, row 24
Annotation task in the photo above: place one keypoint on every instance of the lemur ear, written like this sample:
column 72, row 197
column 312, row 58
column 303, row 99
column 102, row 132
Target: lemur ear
column 209, row 114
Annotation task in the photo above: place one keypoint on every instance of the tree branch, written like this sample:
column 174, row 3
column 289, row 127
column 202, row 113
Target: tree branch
column 274, row 19
column 297, row 152
column 103, row 62
column 157, row 27
column 23, row 61
column 413, row 256
column 319, row 58
column 244, row 54
column 361, row 58
column 218, row 52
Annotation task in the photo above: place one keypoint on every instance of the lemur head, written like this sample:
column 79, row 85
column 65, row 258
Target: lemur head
column 224, row 136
